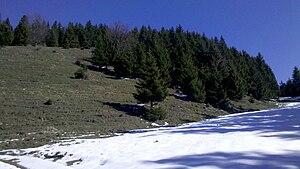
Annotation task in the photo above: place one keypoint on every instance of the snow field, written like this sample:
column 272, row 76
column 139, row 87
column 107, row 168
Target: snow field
column 265, row 139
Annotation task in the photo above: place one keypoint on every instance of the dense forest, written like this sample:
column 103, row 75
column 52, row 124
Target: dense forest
column 202, row 68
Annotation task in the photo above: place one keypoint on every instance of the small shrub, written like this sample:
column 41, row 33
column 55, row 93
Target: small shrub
column 81, row 73
column 48, row 102
column 78, row 63
column 155, row 114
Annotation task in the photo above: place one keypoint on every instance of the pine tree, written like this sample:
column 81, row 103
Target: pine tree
column 104, row 52
column 235, row 83
column 70, row 38
column 296, row 81
column 160, row 52
column 81, row 34
column 266, row 84
column 189, row 80
column 21, row 33
column 198, row 90
column 150, row 87
column 290, row 88
column 60, row 34
column 216, row 73
column 139, row 55
column 90, row 34
column 6, row 33
column 52, row 40
column 283, row 89
column 125, row 65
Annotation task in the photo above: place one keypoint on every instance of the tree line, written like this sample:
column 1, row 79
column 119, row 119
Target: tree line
column 204, row 69
column 291, row 87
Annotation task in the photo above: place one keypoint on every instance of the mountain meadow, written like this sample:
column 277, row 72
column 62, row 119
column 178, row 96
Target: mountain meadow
column 96, row 80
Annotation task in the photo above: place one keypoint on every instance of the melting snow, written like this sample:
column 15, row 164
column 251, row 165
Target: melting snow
column 264, row 139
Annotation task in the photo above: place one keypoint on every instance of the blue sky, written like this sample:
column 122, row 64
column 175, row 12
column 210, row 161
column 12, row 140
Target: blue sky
column 271, row 27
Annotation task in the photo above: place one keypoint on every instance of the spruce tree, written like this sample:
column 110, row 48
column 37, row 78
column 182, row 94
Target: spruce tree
column 189, row 80
column 90, row 34
column 21, row 33
column 52, row 40
column 81, row 34
column 296, row 81
column 60, row 34
column 150, row 87
column 70, row 38
column 104, row 52
column 216, row 74
column 6, row 33
column 125, row 65
column 160, row 52
column 265, row 81
column 235, row 82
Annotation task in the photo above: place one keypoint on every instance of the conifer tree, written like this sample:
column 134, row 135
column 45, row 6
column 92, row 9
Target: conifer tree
column 70, row 38
column 60, row 34
column 235, row 83
column 104, row 52
column 6, row 33
column 150, row 87
column 21, row 33
column 52, row 40
column 290, row 88
column 140, row 56
column 90, row 34
column 160, row 52
column 189, row 80
column 296, row 81
column 266, row 84
column 216, row 73
column 125, row 66
column 81, row 34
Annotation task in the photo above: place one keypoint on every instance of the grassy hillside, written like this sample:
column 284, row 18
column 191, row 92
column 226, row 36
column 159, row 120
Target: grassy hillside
column 30, row 76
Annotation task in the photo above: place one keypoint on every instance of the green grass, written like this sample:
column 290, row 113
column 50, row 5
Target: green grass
column 30, row 77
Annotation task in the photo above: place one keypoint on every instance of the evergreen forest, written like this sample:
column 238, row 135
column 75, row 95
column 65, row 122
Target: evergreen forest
column 202, row 68
column 291, row 87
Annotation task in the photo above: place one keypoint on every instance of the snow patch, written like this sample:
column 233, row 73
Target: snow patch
column 262, row 139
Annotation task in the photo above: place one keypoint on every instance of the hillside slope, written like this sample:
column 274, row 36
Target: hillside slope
column 31, row 76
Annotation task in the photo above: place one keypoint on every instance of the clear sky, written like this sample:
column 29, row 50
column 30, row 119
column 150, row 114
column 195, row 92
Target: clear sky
column 271, row 27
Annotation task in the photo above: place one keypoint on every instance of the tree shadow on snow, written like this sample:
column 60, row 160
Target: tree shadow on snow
column 233, row 160
column 269, row 124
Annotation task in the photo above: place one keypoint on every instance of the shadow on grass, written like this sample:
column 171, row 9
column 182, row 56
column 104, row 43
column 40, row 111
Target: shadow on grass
column 93, row 67
column 232, row 109
column 245, row 160
column 130, row 109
